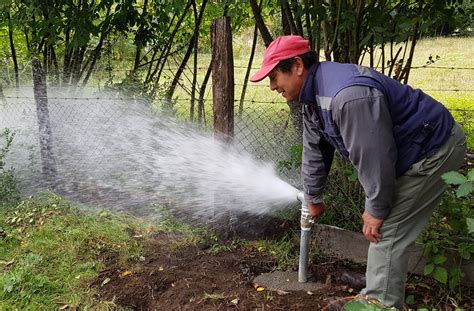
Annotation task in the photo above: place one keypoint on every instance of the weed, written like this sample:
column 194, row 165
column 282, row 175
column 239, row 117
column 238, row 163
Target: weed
column 451, row 229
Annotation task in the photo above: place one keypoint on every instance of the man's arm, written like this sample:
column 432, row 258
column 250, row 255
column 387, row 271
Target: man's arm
column 317, row 159
column 364, row 121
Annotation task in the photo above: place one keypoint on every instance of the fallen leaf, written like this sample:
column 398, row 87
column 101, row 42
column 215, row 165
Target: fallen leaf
column 149, row 229
column 310, row 293
column 260, row 289
column 235, row 301
column 161, row 268
column 282, row 292
column 105, row 281
column 64, row 307
column 126, row 273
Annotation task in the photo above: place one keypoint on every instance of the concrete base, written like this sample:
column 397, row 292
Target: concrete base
column 286, row 281
column 343, row 244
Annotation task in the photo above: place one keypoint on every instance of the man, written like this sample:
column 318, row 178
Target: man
column 399, row 139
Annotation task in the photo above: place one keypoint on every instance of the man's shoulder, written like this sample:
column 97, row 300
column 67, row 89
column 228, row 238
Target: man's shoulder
column 355, row 93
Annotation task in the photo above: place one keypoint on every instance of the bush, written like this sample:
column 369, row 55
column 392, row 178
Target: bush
column 9, row 194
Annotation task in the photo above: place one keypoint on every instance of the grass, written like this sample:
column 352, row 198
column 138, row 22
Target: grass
column 51, row 249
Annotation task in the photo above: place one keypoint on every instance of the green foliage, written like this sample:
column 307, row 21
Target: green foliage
column 451, row 229
column 9, row 194
column 294, row 160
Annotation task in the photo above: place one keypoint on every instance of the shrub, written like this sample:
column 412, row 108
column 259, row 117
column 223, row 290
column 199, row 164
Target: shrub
column 9, row 194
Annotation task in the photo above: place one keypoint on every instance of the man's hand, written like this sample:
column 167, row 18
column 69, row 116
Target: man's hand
column 316, row 209
column 371, row 227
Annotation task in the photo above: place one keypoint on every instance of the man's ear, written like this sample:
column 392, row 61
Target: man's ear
column 299, row 66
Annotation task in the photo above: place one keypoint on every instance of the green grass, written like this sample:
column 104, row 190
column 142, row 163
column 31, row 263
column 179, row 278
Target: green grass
column 52, row 250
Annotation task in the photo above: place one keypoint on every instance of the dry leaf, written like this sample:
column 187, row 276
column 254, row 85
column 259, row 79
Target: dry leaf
column 310, row 293
column 161, row 268
column 260, row 289
column 105, row 281
column 64, row 307
column 235, row 301
column 282, row 292
column 126, row 273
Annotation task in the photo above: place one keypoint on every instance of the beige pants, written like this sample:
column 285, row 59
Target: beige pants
column 416, row 195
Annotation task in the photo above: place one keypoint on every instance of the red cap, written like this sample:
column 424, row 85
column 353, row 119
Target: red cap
column 281, row 48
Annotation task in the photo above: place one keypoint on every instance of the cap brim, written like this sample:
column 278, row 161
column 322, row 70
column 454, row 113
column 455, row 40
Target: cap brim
column 263, row 72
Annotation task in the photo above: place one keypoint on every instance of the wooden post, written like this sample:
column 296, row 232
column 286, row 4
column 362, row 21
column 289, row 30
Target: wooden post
column 44, row 127
column 222, row 79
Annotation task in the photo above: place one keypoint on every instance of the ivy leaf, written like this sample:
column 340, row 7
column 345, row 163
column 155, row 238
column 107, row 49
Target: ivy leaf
column 470, row 174
column 440, row 274
column 454, row 178
column 410, row 300
column 428, row 269
column 470, row 225
column 464, row 189
column 456, row 275
column 439, row 259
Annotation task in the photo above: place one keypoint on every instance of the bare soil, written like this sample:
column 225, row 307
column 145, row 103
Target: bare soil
column 173, row 277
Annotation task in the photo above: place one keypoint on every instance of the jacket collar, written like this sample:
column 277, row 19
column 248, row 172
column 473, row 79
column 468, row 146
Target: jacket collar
column 309, row 86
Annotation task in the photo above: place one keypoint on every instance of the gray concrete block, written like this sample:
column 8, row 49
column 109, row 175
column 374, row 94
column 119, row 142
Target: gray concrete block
column 343, row 244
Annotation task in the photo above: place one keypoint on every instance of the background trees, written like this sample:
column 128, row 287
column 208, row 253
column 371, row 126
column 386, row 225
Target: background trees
column 70, row 37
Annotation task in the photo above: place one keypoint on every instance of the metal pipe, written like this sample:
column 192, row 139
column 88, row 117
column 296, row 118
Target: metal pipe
column 306, row 225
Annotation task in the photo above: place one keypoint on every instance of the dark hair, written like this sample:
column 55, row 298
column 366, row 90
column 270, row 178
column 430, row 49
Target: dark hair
column 308, row 58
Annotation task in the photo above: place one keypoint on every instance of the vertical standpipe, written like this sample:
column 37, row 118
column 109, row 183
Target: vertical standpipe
column 306, row 224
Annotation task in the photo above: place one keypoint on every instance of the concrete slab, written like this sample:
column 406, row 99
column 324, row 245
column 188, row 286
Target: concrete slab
column 286, row 281
column 343, row 244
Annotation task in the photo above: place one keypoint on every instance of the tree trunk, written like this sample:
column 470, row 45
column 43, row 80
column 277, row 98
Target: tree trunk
column 13, row 51
column 67, row 59
column 266, row 36
column 416, row 32
column 247, row 73
column 222, row 79
column 195, row 60
column 165, row 52
column 202, row 92
column 44, row 126
column 286, row 11
column 297, row 17
column 139, row 32
column 174, row 83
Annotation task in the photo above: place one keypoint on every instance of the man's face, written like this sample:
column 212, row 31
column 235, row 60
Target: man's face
column 288, row 84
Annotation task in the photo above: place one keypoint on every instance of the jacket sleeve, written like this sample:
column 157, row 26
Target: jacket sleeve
column 365, row 124
column 317, row 158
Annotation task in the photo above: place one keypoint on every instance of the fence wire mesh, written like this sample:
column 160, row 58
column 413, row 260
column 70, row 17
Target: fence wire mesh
column 262, row 128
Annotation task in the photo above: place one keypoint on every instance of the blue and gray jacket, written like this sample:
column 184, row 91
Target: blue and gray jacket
column 381, row 125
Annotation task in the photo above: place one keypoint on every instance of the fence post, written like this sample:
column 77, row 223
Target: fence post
column 44, row 126
column 222, row 79
column 223, row 103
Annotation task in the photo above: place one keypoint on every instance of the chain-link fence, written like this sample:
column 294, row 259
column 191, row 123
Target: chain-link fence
column 85, row 122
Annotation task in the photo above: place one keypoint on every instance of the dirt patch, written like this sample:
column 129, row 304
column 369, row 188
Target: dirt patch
column 191, row 278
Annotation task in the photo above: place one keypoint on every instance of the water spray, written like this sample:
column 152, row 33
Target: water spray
column 306, row 225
